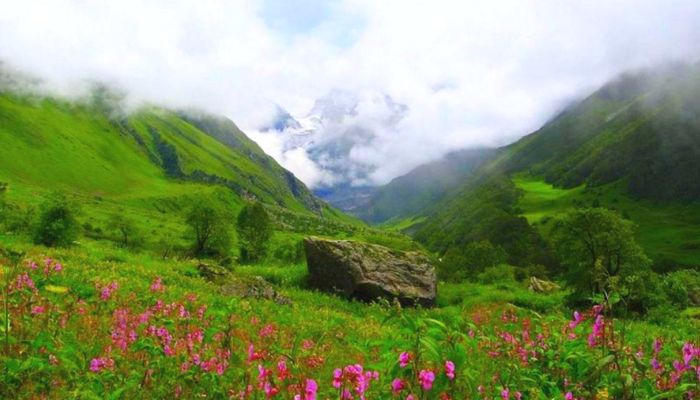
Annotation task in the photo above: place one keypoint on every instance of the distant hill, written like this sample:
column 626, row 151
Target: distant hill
column 91, row 147
column 633, row 145
column 422, row 187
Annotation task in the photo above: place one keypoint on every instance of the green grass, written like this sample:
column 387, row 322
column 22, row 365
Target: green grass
column 668, row 232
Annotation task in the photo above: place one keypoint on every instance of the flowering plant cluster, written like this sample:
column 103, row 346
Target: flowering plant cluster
column 107, row 341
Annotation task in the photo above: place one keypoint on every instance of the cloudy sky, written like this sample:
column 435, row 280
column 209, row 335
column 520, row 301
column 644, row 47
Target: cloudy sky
column 471, row 72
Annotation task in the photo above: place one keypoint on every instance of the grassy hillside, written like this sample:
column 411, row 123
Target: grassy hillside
column 408, row 194
column 632, row 146
column 57, row 144
column 150, row 166
column 668, row 232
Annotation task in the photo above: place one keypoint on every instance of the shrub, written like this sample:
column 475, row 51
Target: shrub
column 467, row 263
column 254, row 232
column 125, row 228
column 210, row 227
column 57, row 224
column 502, row 273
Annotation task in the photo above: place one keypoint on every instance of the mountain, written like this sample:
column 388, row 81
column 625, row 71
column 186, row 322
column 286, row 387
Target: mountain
column 633, row 146
column 417, row 190
column 91, row 147
column 340, row 125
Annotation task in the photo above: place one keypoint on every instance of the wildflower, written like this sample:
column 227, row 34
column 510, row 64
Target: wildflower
column 157, row 285
column 310, row 389
column 108, row 290
column 98, row 364
column 505, row 394
column 282, row 370
column 450, row 370
column 569, row 396
column 597, row 331
column 38, row 310
column 397, row 385
column 404, row 359
column 518, row 396
column 337, row 378
column 577, row 319
column 270, row 391
column 410, row 397
column 655, row 364
column 426, row 378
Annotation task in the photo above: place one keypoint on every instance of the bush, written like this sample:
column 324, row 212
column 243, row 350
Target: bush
column 57, row 224
column 126, row 230
column 460, row 264
column 210, row 227
column 502, row 273
column 254, row 232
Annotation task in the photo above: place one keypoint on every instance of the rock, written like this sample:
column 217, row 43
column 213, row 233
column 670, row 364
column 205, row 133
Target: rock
column 542, row 286
column 256, row 287
column 212, row 273
column 368, row 272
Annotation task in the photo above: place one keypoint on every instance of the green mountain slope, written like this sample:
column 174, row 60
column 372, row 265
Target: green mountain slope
column 633, row 146
column 409, row 194
column 55, row 144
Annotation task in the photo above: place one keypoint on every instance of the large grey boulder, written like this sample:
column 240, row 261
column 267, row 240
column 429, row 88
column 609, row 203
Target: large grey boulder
column 368, row 272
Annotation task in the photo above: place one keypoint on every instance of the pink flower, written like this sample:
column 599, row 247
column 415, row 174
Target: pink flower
column 569, row 396
column 337, row 378
column 518, row 396
column 98, row 364
column 426, row 378
column 597, row 332
column 106, row 291
column 577, row 319
column 157, row 285
column 397, row 385
column 410, row 397
column 310, row 389
column 282, row 370
column 505, row 394
column 404, row 359
column 38, row 310
column 450, row 370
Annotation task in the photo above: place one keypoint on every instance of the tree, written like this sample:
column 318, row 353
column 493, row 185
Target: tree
column 57, row 225
column 597, row 247
column 254, row 232
column 210, row 227
column 461, row 263
column 126, row 229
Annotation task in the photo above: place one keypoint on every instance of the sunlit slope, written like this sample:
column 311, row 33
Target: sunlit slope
column 52, row 144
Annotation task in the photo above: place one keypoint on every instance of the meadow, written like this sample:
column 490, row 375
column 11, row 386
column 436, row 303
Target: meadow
column 97, row 321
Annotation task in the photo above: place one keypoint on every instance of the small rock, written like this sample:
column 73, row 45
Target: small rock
column 542, row 286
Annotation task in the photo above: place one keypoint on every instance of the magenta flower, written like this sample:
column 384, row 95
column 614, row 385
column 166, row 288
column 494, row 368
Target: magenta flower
column 505, row 394
column 337, row 378
column 450, row 370
column 426, row 378
column 310, row 389
column 404, row 359
column 577, row 319
column 397, row 385
column 569, row 396
column 38, row 310
column 157, row 285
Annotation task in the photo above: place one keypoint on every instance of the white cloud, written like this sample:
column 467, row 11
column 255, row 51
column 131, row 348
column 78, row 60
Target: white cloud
column 472, row 72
